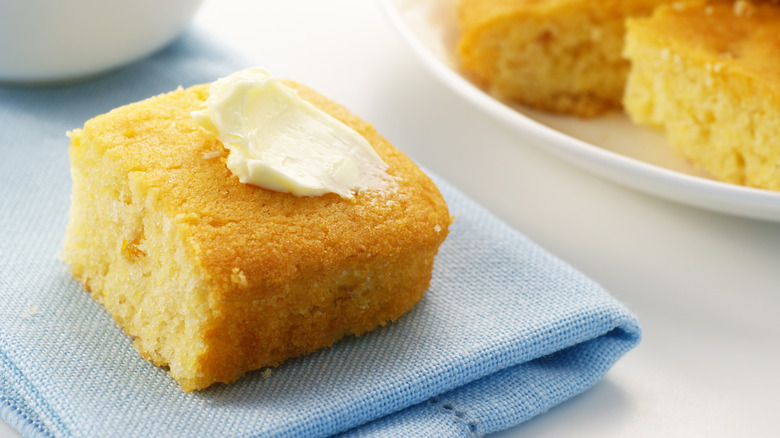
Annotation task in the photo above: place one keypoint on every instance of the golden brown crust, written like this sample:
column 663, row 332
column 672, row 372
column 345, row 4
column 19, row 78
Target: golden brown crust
column 741, row 36
column 276, row 275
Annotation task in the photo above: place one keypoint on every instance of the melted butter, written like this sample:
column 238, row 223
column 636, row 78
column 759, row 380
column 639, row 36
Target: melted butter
column 279, row 141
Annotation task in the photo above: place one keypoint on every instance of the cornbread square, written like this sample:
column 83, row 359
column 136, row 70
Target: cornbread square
column 708, row 73
column 563, row 56
column 214, row 278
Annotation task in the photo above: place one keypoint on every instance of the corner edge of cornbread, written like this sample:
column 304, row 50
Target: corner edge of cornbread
column 708, row 74
column 552, row 55
column 214, row 278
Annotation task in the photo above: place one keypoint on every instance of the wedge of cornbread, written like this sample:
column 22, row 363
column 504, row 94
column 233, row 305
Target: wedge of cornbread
column 563, row 56
column 214, row 278
column 708, row 73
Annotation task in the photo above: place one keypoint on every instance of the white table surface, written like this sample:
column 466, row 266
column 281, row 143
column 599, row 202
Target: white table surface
column 706, row 286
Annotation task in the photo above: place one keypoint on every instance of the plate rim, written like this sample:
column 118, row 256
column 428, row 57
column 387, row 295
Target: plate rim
column 627, row 171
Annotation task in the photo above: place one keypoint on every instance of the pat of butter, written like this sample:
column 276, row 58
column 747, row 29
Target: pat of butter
column 279, row 141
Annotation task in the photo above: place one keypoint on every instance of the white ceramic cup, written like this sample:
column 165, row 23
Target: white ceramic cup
column 61, row 40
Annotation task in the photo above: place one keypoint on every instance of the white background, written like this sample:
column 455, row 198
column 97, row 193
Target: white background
column 706, row 286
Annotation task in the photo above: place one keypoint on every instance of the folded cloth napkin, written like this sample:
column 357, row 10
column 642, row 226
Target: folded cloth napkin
column 505, row 332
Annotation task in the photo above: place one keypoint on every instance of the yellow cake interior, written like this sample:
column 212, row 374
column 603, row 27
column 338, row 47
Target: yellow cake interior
column 563, row 56
column 708, row 74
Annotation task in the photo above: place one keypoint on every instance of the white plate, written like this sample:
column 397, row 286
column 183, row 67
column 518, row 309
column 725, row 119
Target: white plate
column 609, row 146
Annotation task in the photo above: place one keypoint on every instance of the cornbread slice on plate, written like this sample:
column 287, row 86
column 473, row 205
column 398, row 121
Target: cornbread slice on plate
column 708, row 73
column 214, row 278
column 563, row 56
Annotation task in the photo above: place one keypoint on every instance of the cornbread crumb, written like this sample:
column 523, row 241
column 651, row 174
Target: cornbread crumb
column 563, row 56
column 708, row 73
column 32, row 311
column 214, row 278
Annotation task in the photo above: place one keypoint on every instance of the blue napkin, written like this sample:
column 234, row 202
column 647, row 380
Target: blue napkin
column 505, row 332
